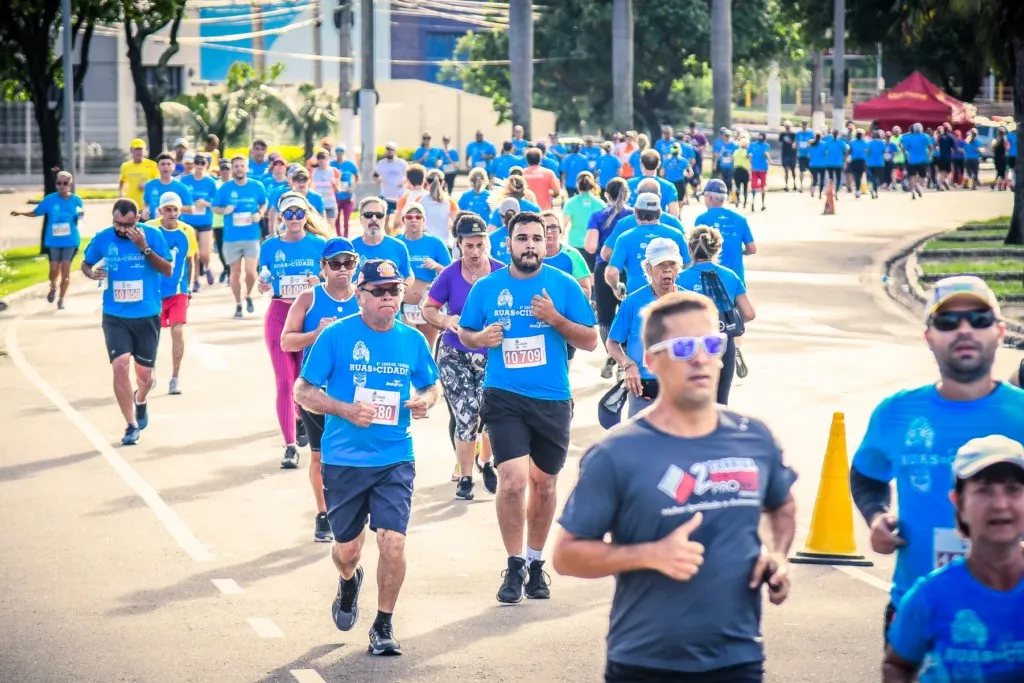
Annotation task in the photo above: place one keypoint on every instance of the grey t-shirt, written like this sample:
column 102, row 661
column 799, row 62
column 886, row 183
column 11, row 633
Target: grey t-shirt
column 640, row 484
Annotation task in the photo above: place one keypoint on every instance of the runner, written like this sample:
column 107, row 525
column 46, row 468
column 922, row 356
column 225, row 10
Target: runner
column 349, row 178
column 972, row 158
column 156, row 188
column 789, row 145
column 136, row 172
column 462, row 368
column 917, row 145
column 289, row 265
column 428, row 255
column 134, row 259
column 760, row 158
column 527, row 315
column 876, row 162
column 804, row 136
column 507, row 210
column 741, row 173
column 477, row 197
column 203, row 189
column 675, row 168
column 629, row 251
column 449, row 163
column 258, row 164
column 835, row 160
column 480, row 153
column 601, row 226
column 738, row 241
column 243, row 202
column 310, row 313
column 649, row 164
column 438, row 209
column 298, row 182
column 662, row 263
column 427, row 155
column 61, row 239
column 912, row 435
column 326, row 181
column 519, row 141
column 570, row 168
column 389, row 173
column 377, row 376
column 541, row 181
column 577, row 212
column 565, row 257
column 688, row 560
column 818, row 160
column 945, row 145
column 374, row 244
column 608, row 165
column 514, row 187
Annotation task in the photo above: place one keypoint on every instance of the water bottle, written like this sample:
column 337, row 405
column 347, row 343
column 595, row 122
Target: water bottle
column 265, row 275
column 101, row 284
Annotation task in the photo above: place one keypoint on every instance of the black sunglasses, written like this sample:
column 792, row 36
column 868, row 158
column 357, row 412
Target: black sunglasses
column 338, row 264
column 379, row 292
column 374, row 214
column 951, row 320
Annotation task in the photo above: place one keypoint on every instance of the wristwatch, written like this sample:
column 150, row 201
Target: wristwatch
column 147, row 251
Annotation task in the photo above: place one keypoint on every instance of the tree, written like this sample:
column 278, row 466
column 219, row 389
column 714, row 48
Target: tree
column 205, row 114
column 315, row 117
column 252, row 90
column 29, row 69
column 141, row 20
column 721, row 61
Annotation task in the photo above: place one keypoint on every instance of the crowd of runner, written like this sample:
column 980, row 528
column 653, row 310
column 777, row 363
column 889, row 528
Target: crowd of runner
column 483, row 301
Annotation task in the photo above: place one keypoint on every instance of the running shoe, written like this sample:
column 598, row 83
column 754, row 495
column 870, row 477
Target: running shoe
column 174, row 389
column 382, row 641
column 490, row 476
column 513, row 580
column 741, row 365
column 195, row 286
column 209, row 276
column 345, row 609
column 131, row 436
column 248, row 305
column 51, row 296
column 223, row 276
column 60, row 304
column 537, row 586
column 238, row 311
column 464, row 489
column 322, row 530
column 301, row 437
column 290, row 461
column 141, row 412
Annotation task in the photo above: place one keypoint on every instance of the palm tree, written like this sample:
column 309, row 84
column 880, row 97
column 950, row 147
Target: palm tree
column 316, row 115
column 219, row 113
column 721, row 61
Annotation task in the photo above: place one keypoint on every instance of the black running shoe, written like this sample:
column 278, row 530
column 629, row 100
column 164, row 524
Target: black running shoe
column 741, row 365
column 141, row 412
column 301, row 437
column 322, row 530
column 248, row 305
column 382, row 641
column 514, row 578
column 464, row 489
column 290, row 461
column 345, row 609
column 490, row 476
column 537, row 586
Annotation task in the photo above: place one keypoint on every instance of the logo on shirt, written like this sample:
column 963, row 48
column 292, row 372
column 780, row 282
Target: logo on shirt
column 968, row 629
column 505, row 299
column 360, row 352
column 233, row 195
column 920, row 434
column 712, row 484
column 359, row 379
column 279, row 256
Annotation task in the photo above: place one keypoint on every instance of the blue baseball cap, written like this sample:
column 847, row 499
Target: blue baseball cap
column 609, row 408
column 379, row 272
column 715, row 186
column 337, row 245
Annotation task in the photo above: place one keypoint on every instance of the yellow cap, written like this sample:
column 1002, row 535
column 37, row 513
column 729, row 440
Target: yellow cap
column 137, row 143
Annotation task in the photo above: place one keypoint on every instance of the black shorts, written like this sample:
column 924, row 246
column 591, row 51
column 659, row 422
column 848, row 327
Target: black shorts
column 920, row 170
column 944, row 165
column 604, row 297
column 805, row 163
column 522, row 426
column 890, row 616
column 61, row 254
column 392, row 205
column 381, row 496
column 1011, row 162
column 789, row 162
column 314, row 428
column 751, row 672
column 137, row 336
column 570, row 351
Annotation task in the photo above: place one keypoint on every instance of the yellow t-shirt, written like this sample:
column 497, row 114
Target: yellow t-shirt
column 741, row 159
column 190, row 235
column 133, row 174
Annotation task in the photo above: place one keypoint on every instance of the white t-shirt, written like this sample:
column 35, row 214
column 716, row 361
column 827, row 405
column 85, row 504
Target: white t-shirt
column 323, row 182
column 392, row 175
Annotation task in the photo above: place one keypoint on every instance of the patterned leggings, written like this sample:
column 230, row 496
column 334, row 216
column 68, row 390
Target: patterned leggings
column 462, row 376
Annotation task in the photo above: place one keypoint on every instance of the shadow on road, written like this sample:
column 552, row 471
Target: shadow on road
column 28, row 469
column 207, row 445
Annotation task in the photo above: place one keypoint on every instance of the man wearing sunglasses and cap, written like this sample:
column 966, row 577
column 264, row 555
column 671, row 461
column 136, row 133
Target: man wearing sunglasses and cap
column 913, row 435
column 374, row 244
column 963, row 622
column 685, row 547
column 370, row 375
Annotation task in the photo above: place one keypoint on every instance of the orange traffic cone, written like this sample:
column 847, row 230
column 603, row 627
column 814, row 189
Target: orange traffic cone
column 831, row 538
column 830, row 200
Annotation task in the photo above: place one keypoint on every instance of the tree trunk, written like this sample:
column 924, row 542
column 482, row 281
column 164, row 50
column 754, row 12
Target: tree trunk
column 721, row 62
column 1016, row 232
column 650, row 117
column 817, row 80
column 134, row 38
column 307, row 141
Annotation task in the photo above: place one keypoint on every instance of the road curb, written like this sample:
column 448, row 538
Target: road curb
column 39, row 291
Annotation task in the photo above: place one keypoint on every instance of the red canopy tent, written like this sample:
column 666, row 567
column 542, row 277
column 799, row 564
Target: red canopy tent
column 915, row 99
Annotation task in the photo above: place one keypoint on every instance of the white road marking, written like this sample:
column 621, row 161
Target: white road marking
column 823, row 279
column 306, row 676
column 227, row 586
column 174, row 525
column 265, row 628
column 211, row 356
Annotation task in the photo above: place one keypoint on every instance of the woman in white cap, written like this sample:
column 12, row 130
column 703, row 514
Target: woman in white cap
column 289, row 264
column 428, row 255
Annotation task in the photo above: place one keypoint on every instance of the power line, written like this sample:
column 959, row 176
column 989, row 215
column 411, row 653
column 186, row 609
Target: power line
column 241, row 18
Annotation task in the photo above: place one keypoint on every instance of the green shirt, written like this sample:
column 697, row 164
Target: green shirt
column 578, row 210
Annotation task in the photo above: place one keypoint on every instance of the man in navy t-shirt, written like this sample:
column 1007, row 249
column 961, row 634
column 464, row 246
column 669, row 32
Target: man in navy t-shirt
column 684, row 548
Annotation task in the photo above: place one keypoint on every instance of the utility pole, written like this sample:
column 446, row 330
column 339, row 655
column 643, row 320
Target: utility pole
column 344, row 22
column 69, row 88
column 367, row 102
column 838, row 67
column 520, row 49
column 622, row 64
column 318, row 48
column 258, row 60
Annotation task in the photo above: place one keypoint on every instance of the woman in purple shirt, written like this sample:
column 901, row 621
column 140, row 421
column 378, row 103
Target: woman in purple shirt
column 462, row 368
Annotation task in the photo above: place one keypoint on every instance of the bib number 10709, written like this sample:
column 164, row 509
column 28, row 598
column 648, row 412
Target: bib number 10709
column 524, row 352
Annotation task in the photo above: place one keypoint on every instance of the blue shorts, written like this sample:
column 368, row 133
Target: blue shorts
column 392, row 205
column 380, row 495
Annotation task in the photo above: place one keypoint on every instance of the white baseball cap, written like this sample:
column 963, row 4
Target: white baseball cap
column 169, row 199
column 979, row 454
column 293, row 200
column 648, row 201
column 967, row 287
column 662, row 249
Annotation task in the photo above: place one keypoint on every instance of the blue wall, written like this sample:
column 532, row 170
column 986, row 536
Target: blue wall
column 424, row 39
column 214, row 63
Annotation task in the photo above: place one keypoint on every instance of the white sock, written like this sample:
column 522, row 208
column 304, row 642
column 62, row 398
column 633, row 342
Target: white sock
column 532, row 554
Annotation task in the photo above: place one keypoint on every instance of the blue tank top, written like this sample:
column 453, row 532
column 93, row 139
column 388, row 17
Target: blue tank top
column 326, row 306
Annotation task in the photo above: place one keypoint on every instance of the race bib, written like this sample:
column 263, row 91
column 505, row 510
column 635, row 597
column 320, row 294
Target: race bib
column 292, row 285
column 240, row 219
column 61, row 229
column 127, row 291
column 414, row 315
column 386, row 402
column 948, row 545
column 344, row 185
column 887, row 156
column 803, row 145
column 480, row 164
column 448, row 168
column 523, row 352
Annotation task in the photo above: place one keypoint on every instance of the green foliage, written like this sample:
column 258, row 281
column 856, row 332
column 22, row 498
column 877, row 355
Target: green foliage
column 202, row 114
column 293, row 154
column 315, row 116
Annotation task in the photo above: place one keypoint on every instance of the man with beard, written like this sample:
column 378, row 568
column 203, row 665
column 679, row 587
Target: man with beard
column 913, row 436
column 374, row 244
column 135, row 259
column 526, row 316
column 243, row 203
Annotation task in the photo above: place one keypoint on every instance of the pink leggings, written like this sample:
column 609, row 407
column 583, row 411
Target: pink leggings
column 286, row 365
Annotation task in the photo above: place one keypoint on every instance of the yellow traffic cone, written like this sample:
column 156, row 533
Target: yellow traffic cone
column 831, row 538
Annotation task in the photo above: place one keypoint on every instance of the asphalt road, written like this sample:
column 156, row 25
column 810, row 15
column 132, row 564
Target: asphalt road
column 190, row 557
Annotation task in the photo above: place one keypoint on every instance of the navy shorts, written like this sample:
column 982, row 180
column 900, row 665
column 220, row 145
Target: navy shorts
column 381, row 496
column 392, row 205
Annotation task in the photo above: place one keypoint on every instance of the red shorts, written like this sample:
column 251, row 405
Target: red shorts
column 174, row 309
column 758, row 180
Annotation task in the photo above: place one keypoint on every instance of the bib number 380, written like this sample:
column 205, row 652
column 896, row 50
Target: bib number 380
column 385, row 402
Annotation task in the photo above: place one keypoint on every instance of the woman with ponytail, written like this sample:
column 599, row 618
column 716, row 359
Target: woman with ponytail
column 477, row 198
column 438, row 208
column 514, row 188
column 600, row 226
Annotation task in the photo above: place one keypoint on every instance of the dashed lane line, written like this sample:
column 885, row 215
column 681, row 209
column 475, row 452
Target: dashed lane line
column 227, row 586
column 265, row 628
